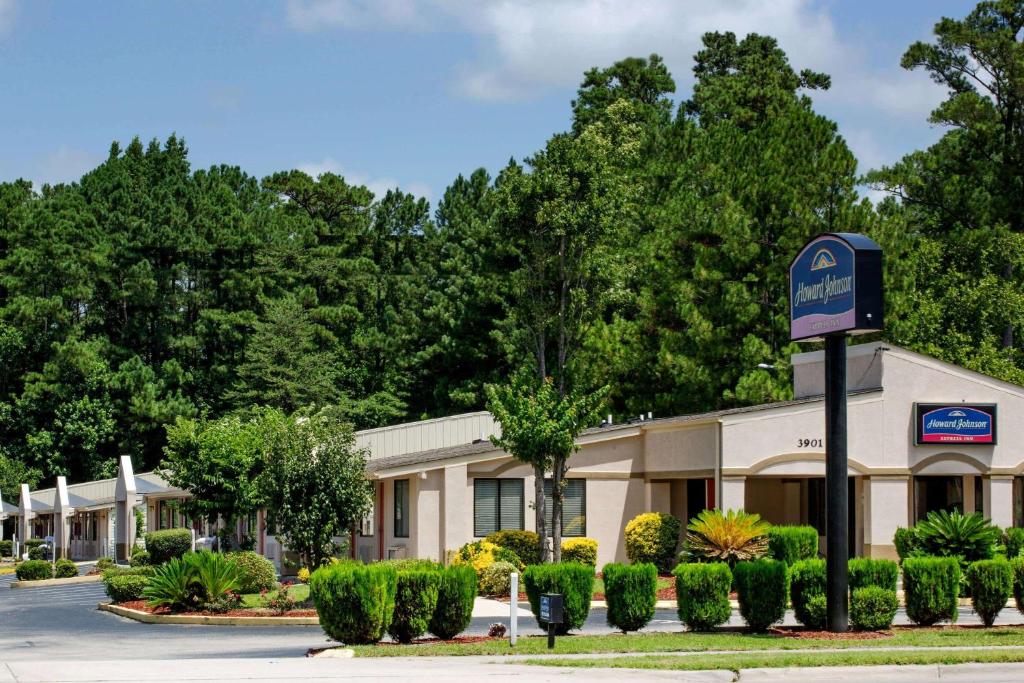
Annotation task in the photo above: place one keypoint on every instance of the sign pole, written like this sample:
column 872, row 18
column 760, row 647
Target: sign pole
column 836, row 485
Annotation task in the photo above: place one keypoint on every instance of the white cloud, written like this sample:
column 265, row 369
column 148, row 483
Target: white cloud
column 378, row 186
column 315, row 15
column 8, row 9
column 64, row 165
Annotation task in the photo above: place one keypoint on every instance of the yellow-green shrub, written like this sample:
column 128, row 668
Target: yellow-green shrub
column 582, row 550
column 653, row 537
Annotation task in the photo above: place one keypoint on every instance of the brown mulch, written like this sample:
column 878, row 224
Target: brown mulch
column 141, row 606
column 828, row 635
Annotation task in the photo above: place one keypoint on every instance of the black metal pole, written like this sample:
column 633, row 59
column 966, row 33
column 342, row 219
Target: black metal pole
column 836, row 486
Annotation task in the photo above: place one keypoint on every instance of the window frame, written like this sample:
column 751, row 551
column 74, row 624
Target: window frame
column 497, row 505
column 398, row 515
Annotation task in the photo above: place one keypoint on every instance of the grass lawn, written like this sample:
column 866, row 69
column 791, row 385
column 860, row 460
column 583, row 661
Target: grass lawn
column 698, row 642
column 735, row 662
column 299, row 591
column 663, row 582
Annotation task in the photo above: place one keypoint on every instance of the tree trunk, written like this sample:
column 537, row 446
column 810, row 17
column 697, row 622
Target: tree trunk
column 557, row 477
column 539, row 508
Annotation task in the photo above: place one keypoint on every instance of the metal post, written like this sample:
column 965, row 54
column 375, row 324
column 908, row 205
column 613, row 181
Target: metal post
column 836, row 485
column 551, row 636
column 513, row 605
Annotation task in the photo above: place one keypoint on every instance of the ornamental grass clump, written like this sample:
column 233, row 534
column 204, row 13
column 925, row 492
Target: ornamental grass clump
column 931, row 586
column 865, row 571
column 456, row 593
column 730, row 537
column 873, row 608
column 702, row 594
column 631, row 591
column 807, row 582
column 573, row 580
column 415, row 601
column 991, row 583
column 355, row 602
column 791, row 544
column 653, row 537
column 762, row 586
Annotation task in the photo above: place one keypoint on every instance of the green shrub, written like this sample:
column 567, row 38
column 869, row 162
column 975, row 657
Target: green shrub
column 355, row 602
column 762, row 586
column 496, row 579
column 413, row 564
column 139, row 558
column 37, row 553
column 167, row 544
column 991, row 583
column 125, row 587
column 817, row 610
column 905, row 541
column 525, row 544
column 456, row 593
column 653, row 537
column 34, row 570
column 1013, row 541
column 873, row 608
column 702, row 594
column 1017, row 567
column 104, row 563
column 865, row 571
column 573, row 580
column 65, row 569
column 952, row 534
column 34, row 543
column 807, row 581
column 582, row 550
column 216, row 575
column 733, row 536
column 931, row 587
column 256, row 573
column 6, row 547
column 415, row 601
column 142, row 570
column 481, row 554
column 630, row 592
column 791, row 544
column 173, row 585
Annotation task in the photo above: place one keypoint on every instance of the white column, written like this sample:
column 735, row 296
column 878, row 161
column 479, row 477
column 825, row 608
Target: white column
column 124, row 510
column 733, row 493
column 61, row 512
column 886, row 507
column 25, row 530
column 969, row 501
column 999, row 501
column 457, row 509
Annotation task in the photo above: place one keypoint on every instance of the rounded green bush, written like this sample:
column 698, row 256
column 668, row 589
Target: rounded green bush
column 125, row 587
column 168, row 543
column 991, row 583
column 36, row 553
column 873, row 608
column 906, row 543
column 763, row 586
column 65, row 569
column 865, row 571
column 817, row 611
column 653, row 537
column 807, row 581
column 355, row 602
column 34, row 570
column 525, row 544
column 6, row 547
column 630, row 592
column 456, row 593
column 412, row 563
column 496, row 579
column 415, row 599
column 104, row 563
column 1013, row 541
column 142, row 570
column 1017, row 567
column 140, row 557
column 255, row 572
column 931, row 586
column 790, row 544
column 702, row 594
column 573, row 580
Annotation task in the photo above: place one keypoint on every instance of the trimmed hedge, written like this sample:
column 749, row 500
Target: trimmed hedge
column 415, row 600
column 140, row 557
column 143, row 570
column 37, row 552
column 931, row 587
column 653, row 537
column 790, row 544
column 864, row 572
column 991, row 583
column 807, row 581
column 355, row 602
column 702, row 594
column 873, row 608
column 125, row 587
column 496, row 579
column 573, row 580
column 763, row 586
column 1013, row 540
column 456, row 592
column 6, row 547
column 168, row 543
column 64, row 569
column 906, row 542
column 255, row 572
column 34, row 570
column 34, row 543
column 582, row 550
column 630, row 592
column 525, row 544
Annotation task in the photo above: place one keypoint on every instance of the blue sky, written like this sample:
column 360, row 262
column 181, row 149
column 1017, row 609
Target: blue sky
column 406, row 92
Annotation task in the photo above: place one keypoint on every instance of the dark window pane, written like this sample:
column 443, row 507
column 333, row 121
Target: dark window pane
column 510, row 509
column 574, row 507
column 401, row 508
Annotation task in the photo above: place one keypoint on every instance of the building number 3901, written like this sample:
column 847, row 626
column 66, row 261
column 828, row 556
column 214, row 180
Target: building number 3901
column 809, row 443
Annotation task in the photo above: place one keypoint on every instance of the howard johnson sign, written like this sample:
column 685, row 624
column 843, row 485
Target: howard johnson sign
column 956, row 423
column 835, row 287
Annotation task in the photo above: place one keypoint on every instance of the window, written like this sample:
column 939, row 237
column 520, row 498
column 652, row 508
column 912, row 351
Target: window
column 937, row 493
column 366, row 523
column 574, row 507
column 497, row 505
column 401, row 508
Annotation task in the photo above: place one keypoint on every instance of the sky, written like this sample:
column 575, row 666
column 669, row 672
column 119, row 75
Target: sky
column 408, row 93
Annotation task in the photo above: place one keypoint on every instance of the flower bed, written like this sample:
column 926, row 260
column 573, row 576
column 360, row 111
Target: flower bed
column 141, row 606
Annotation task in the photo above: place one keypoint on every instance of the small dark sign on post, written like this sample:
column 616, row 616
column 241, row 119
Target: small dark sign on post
column 552, row 611
column 835, row 289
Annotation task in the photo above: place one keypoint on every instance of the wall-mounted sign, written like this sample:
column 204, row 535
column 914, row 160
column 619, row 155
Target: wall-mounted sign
column 835, row 286
column 956, row 423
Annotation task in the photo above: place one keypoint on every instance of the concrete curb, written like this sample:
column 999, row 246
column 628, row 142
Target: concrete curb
column 204, row 620
column 70, row 581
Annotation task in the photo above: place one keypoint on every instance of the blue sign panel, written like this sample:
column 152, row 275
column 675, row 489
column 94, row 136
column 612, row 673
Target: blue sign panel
column 823, row 289
column 959, row 423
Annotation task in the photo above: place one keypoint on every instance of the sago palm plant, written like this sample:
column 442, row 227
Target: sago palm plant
column 215, row 574
column 173, row 586
column 730, row 537
column 954, row 534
